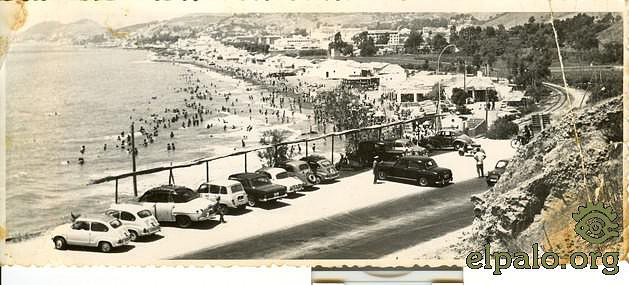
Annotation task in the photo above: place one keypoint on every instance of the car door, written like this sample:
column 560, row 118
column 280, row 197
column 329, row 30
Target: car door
column 164, row 206
column 213, row 192
column 79, row 233
column 97, row 232
column 147, row 201
column 224, row 194
column 399, row 168
column 414, row 169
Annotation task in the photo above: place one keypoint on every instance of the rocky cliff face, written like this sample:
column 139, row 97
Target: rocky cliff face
column 544, row 184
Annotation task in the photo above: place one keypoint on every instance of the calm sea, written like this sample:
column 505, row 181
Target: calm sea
column 62, row 98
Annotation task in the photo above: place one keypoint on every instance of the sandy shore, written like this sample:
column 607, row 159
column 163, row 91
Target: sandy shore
column 348, row 194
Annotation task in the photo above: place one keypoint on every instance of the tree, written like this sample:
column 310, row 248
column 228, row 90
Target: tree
column 438, row 42
column 272, row 155
column 502, row 129
column 341, row 46
column 365, row 43
column 459, row 96
column 413, row 42
column 301, row 32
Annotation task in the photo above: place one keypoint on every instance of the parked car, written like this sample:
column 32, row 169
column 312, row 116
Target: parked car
column 421, row 169
column 367, row 150
column 322, row 168
column 301, row 170
column 494, row 175
column 102, row 231
column 231, row 193
column 259, row 188
column 138, row 220
column 282, row 177
column 448, row 139
column 171, row 203
column 408, row 148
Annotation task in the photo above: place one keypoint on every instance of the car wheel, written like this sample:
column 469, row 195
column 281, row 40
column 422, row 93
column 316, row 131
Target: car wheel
column 311, row 178
column 183, row 221
column 382, row 175
column 317, row 180
column 458, row 145
column 105, row 246
column 60, row 243
column 422, row 181
column 251, row 203
column 133, row 235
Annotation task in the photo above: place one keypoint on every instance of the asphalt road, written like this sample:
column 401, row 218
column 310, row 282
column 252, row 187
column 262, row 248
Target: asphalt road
column 366, row 233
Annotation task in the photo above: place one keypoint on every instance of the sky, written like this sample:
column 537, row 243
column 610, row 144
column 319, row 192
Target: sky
column 119, row 13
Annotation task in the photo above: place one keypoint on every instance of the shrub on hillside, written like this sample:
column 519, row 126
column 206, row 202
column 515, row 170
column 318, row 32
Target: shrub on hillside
column 502, row 129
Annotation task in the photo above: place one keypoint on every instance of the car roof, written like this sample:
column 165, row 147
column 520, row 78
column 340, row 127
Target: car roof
column 416, row 157
column 96, row 218
column 294, row 162
column 169, row 188
column 313, row 157
column 272, row 170
column 246, row 175
column 221, row 182
column 130, row 207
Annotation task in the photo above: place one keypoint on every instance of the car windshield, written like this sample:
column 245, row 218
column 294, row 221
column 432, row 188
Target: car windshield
column 144, row 213
column 430, row 164
column 325, row 163
column 260, row 181
column 185, row 195
column 283, row 175
column 501, row 164
column 115, row 223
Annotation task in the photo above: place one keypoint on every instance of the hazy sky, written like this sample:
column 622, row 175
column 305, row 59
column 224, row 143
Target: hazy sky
column 118, row 13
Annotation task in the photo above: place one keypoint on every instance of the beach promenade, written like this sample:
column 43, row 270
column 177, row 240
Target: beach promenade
column 345, row 196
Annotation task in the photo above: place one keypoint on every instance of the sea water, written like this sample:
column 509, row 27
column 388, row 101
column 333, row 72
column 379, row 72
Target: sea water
column 62, row 98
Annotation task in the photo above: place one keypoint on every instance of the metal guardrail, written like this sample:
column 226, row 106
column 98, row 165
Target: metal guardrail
column 206, row 160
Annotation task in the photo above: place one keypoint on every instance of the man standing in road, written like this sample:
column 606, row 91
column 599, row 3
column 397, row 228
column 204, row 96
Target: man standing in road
column 219, row 209
column 375, row 170
column 479, row 156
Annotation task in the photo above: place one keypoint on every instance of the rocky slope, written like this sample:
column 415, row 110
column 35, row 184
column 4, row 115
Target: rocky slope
column 543, row 185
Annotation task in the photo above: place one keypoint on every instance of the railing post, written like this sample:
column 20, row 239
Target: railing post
column 116, row 200
column 207, row 171
column 133, row 153
column 306, row 147
column 245, row 162
column 332, row 149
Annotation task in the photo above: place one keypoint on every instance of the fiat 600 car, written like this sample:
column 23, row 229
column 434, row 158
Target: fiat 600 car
column 102, row 231
column 138, row 219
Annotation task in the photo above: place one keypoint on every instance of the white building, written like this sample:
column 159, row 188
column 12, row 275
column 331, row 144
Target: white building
column 295, row 42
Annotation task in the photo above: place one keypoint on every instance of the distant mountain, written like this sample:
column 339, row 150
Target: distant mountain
column 57, row 32
column 611, row 34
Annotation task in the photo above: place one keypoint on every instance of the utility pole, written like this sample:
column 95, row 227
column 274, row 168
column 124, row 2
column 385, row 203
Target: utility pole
column 133, row 153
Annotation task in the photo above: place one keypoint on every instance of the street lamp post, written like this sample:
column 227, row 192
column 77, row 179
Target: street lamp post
column 438, row 122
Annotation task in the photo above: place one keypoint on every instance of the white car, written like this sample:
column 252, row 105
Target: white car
column 282, row 177
column 138, row 219
column 171, row 203
column 231, row 192
column 102, row 231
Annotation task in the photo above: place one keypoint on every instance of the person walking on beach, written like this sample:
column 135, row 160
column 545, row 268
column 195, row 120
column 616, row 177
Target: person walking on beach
column 375, row 169
column 479, row 156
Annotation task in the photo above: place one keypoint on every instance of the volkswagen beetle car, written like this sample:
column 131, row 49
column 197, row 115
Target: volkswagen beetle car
column 420, row 169
column 301, row 171
column 231, row 193
column 259, row 188
column 171, row 203
column 494, row 175
column 138, row 220
column 282, row 177
column 322, row 168
column 102, row 231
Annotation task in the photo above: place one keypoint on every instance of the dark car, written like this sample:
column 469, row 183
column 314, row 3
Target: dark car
column 447, row 139
column 259, row 188
column 494, row 175
column 322, row 168
column 301, row 169
column 423, row 170
column 367, row 150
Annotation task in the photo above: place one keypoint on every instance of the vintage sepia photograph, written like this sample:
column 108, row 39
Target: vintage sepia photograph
column 158, row 132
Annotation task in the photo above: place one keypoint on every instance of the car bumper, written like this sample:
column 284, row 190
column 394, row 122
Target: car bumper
column 329, row 177
column 150, row 231
column 122, row 242
column 444, row 181
column 267, row 199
